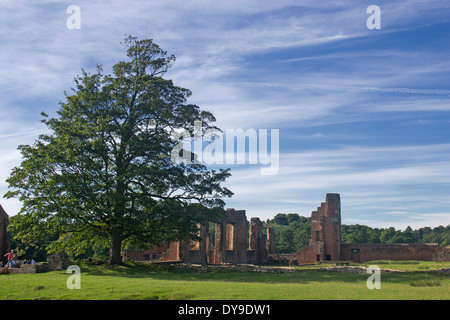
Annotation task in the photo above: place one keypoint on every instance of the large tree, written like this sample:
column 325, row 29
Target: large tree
column 104, row 173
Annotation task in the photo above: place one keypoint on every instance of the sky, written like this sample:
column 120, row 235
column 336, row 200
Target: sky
column 360, row 112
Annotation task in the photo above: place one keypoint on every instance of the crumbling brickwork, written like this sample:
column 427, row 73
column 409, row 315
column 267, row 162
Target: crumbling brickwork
column 238, row 241
column 235, row 241
column 145, row 255
column 270, row 241
column 391, row 251
column 4, row 238
column 231, row 238
column 257, row 250
column 326, row 228
column 197, row 251
column 325, row 243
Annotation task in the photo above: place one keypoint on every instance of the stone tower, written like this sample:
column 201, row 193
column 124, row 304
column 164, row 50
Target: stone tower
column 325, row 243
column 332, row 227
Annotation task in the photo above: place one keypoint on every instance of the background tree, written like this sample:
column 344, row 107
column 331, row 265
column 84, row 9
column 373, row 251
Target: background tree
column 292, row 232
column 359, row 234
column 104, row 175
column 387, row 235
column 281, row 219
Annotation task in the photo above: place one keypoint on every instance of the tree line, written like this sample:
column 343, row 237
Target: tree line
column 293, row 232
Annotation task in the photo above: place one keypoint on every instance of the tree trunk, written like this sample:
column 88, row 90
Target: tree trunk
column 115, row 250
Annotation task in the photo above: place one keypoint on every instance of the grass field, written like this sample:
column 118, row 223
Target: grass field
column 138, row 281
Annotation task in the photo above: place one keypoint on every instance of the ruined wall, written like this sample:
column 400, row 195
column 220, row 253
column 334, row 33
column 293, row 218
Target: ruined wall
column 257, row 250
column 443, row 254
column 197, row 251
column 145, row 255
column 391, row 251
column 236, row 241
column 4, row 238
column 332, row 226
column 325, row 243
column 57, row 262
column 231, row 238
column 173, row 252
column 307, row 255
column 270, row 241
column 325, row 232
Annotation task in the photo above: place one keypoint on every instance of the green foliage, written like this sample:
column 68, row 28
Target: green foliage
column 363, row 234
column 359, row 234
column 439, row 235
column 281, row 219
column 28, row 248
column 292, row 232
column 104, row 176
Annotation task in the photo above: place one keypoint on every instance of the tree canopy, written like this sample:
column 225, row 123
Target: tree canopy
column 104, row 174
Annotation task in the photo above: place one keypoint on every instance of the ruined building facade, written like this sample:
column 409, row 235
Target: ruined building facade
column 4, row 239
column 325, row 243
column 236, row 240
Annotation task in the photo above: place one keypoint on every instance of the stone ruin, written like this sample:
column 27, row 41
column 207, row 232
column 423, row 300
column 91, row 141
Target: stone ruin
column 325, row 244
column 232, row 246
column 5, row 246
column 239, row 241
column 236, row 241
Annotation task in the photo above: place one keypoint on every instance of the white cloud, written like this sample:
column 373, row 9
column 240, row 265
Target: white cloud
column 216, row 45
column 373, row 192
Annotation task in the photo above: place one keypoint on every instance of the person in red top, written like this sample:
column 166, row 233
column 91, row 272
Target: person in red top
column 11, row 256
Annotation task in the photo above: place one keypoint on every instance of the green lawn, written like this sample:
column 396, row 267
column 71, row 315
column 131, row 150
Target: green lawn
column 144, row 281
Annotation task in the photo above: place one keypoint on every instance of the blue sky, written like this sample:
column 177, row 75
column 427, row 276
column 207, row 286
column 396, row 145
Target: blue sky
column 364, row 113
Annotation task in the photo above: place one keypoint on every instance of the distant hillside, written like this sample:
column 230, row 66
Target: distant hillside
column 292, row 232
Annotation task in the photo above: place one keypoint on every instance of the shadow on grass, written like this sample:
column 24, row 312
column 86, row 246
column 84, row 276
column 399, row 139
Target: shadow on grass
column 158, row 272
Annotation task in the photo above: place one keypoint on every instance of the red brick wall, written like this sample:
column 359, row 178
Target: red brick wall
column 4, row 239
column 142, row 255
column 400, row 251
column 270, row 241
column 235, row 242
column 332, row 226
column 240, row 231
column 307, row 255
column 325, row 232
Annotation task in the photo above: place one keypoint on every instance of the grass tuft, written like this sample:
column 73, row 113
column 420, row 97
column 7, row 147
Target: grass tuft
column 425, row 283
